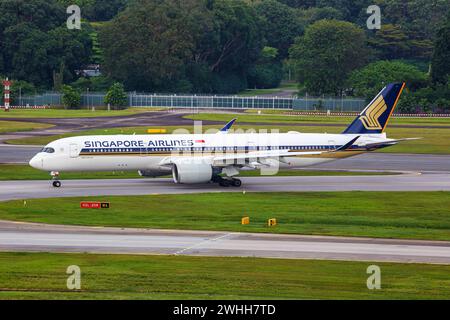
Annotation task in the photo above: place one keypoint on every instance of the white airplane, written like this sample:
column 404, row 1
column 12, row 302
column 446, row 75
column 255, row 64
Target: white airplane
column 218, row 158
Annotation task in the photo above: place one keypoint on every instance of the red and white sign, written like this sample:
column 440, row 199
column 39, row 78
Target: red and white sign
column 94, row 205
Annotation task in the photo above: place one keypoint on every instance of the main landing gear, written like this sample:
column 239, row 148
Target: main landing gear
column 55, row 179
column 227, row 182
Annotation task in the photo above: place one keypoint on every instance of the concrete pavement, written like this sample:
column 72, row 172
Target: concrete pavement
column 48, row 238
column 10, row 190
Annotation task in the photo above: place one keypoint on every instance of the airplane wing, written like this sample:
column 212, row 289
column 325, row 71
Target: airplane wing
column 257, row 156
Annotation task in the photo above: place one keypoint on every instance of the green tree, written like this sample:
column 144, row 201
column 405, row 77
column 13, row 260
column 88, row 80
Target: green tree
column 105, row 10
column 299, row 3
column 97, row 10
column 418, row 18
column 268, row 72
column 71, row 97
column 351, row 10
column 440, row 65
column 281, row 25
column 311, row 15
column 147, row 46
column 368, row 81
column 390, row 42
column 98, row 84
column 97, row 56
column 163, row 45
column 409, row 27
column 326, row 55
column 35, row 42
column 20, row 88
column 116, row 97
column 228, row 50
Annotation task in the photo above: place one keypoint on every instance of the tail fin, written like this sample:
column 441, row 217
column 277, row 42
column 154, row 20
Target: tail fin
column 375, row 116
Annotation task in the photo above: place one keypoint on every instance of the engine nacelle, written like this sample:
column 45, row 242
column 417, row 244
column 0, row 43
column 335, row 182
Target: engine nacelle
column 186, row 171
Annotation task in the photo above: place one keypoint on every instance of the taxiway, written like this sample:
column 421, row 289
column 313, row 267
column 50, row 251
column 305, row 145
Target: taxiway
column 10, row 190
column 31, row 237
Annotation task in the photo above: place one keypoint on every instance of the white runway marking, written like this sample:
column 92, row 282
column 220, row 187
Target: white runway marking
column 202, row 244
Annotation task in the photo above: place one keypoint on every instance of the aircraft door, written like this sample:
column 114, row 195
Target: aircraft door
column 74, row 150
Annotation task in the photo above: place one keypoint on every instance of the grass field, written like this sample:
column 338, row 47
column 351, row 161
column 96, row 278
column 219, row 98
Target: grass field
column 409, row 215
column 62, row 113
column 43, row 140
column 16, row 126
column 276, row 117
column 25, row 172
column 435, row 140
column 43, row 276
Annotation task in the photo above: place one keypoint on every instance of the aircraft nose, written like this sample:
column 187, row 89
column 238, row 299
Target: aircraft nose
column 36, row 162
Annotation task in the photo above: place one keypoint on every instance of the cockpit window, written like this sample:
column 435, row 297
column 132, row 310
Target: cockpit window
column 48, row 150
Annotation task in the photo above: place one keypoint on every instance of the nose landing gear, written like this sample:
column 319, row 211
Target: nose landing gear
column 55, row 178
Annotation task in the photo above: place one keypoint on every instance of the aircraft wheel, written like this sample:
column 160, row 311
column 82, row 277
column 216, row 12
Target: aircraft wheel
column 225, row 183
column 56, row 184
column 237, row 183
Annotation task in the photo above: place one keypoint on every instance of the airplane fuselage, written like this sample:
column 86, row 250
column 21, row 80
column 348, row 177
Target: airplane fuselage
column 201, row 158
column 146, row 152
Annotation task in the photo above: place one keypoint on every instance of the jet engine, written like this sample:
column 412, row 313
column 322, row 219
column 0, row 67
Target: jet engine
column 187, row 171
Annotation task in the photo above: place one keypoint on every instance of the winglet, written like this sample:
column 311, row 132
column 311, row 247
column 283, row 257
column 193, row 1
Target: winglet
column 228, row 126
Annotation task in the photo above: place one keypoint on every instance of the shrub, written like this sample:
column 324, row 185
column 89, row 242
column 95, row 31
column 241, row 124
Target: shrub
column 116, row 97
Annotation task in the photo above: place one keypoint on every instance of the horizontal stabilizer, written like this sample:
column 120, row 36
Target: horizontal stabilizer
column 388, row 143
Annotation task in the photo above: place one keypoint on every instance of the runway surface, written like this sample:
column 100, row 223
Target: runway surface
column 10, row 190
column 17, row 154
column 392, row 162
column 46, row 238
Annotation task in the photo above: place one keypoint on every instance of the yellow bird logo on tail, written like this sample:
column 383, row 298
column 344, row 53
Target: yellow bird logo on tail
column 373, row 113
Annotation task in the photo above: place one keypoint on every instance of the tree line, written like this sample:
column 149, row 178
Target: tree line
column 226, row 46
